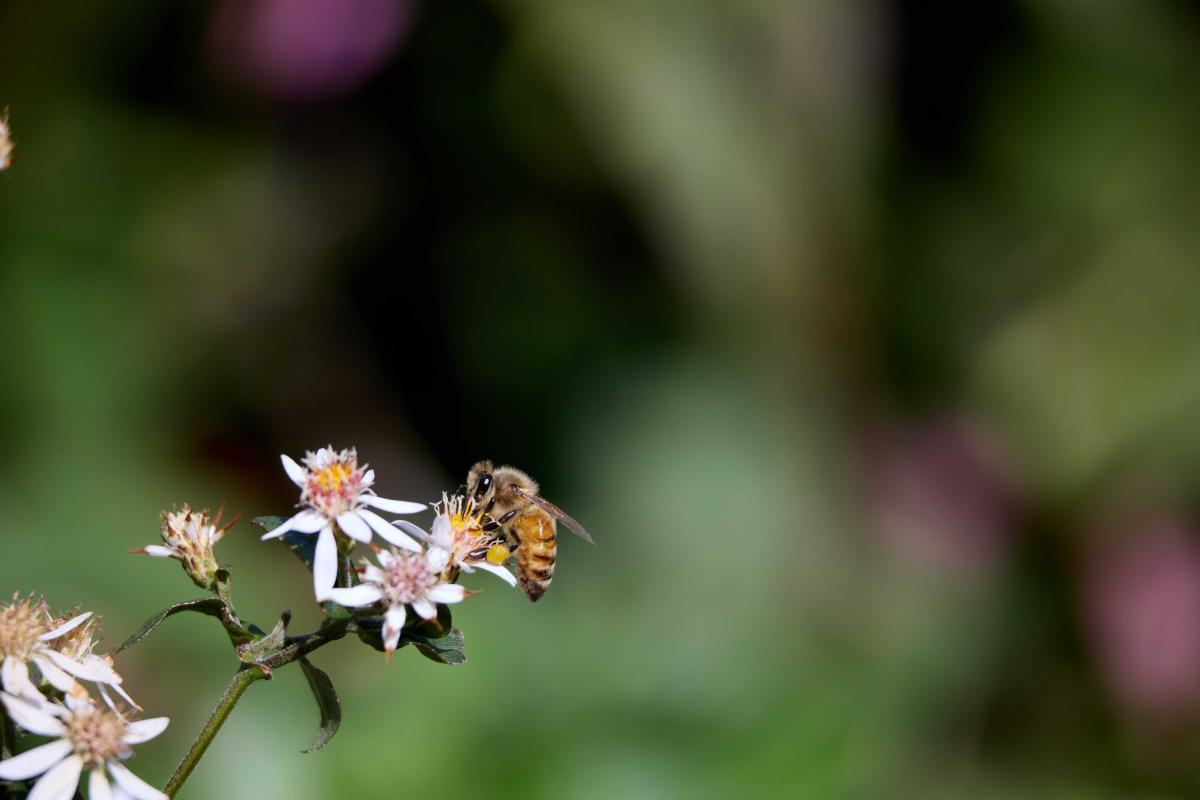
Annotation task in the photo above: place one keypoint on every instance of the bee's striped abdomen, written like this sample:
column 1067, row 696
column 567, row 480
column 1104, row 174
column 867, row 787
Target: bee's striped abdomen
column 536, row 532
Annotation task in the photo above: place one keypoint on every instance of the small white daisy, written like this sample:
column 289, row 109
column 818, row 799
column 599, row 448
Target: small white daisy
column 29, row 635
column 190, row 538
column 401, row 579
column 336, row 491
column 459, row 530
column 86, row 737
column 79, row 644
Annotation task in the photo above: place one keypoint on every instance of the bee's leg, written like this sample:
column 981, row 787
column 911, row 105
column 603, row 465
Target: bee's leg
column 493, row 524
column 510, row 539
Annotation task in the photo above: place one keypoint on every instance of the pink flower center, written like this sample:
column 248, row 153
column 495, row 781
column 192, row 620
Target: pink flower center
column 408, row 578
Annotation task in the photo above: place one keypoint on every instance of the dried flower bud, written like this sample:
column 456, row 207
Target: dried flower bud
column 190, row 537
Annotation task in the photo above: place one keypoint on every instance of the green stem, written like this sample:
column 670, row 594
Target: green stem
column 296, row 647
column 233, row 692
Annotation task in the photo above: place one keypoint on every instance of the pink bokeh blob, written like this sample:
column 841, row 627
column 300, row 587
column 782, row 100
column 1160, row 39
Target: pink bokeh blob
column 307, row 50
column 942, row 495
column 1141, row 600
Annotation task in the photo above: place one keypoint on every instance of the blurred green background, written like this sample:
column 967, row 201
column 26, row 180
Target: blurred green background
column 862, row 335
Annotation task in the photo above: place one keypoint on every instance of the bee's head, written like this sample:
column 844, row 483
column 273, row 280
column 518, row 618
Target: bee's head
column 480, row 484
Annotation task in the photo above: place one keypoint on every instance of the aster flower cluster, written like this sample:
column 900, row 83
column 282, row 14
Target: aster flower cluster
column 49, row 664
column 377, row 576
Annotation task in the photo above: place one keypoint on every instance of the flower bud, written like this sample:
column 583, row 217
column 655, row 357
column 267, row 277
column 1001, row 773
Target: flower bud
column 190, row 537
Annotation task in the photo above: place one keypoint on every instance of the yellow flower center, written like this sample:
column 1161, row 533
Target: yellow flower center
column 332, row 477
column 334, row 488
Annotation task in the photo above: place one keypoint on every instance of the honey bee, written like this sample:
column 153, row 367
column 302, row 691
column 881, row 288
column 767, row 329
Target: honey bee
column 527, row 520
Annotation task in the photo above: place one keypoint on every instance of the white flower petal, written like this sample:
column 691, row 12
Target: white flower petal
column 116, row 687
column 69, row 625
column 158, row 551
column 35, row 761
column 393, row 623
column 50, row 671
column 415, row 531
column 355, row 597
column 354, row 527
column 372, row 574
column 90, row 669
column 105, row 696
column 294, row 471
column 440, row 533
column 424, row 608
column 398, row 539
column 368, row 478
column 437, row 558
column 303, row 522
column 392, row 506
column 32, row 716
column 310, row 522
column 78, row 702
column 98, row 788
column 325, row 563
column 447, row 593
column 15, row 676
column 59, row 781
column 133, row 784
column 496, row 569
column 377, row 523
column 145, row 729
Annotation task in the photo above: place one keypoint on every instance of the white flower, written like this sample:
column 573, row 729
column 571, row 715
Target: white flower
column 190, row 538
column 401, row 579
column 85, row 737
column 459, row 530
column 78, row 644
column 28, row 634
column 335, row 490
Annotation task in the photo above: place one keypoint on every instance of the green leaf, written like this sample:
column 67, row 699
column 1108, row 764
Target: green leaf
column 273, row 642
column 334, row 611
column 327, row 702
column 436, row 639
column 447, row 649
column 304, row 545
column 212, row 606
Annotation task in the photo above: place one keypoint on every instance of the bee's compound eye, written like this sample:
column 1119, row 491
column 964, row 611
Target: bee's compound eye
column 484, row 486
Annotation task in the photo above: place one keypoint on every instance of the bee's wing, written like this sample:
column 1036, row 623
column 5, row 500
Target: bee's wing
column 558, row 514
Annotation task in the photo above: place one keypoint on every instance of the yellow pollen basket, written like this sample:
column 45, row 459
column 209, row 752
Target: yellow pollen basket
column 497, row 554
